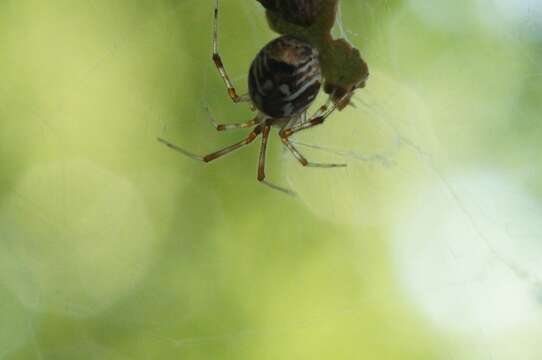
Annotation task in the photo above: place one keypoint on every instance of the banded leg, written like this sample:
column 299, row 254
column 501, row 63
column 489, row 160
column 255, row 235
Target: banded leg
column 223, row 127
column 321, row 110
column 217, row 154
column 302, row 159
column 261, row 164
column 263, row 151
column 220, row 65
column 318, row 118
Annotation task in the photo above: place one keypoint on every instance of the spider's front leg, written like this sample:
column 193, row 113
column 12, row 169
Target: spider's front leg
column 302, row 160
column 319, row 116
column 317, row 119
column 220, row 65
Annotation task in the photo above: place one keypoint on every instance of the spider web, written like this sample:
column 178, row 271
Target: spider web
column 426, row 246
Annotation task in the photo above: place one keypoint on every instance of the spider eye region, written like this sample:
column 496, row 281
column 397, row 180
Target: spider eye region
column 285, row 77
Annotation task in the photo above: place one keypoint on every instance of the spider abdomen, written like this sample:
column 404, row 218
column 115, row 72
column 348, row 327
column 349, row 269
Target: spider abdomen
column 285, row 77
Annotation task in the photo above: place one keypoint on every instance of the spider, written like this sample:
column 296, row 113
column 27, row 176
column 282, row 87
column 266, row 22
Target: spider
column 343, row 68
column 284, row 79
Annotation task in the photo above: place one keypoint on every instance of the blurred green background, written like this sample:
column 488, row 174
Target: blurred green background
column 427, row 246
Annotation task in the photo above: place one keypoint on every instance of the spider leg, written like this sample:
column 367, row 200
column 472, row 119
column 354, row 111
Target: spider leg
column 220, row 65
column 222, row 127
column 302, row 159
column 261, row 164
column 263, row 150
column 217, row 154
column 318, row 118
column 322, row 109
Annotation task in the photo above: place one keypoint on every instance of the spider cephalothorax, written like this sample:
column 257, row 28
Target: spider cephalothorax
column 285, row 77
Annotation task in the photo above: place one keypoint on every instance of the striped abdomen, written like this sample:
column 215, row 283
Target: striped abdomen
column 285, row 77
